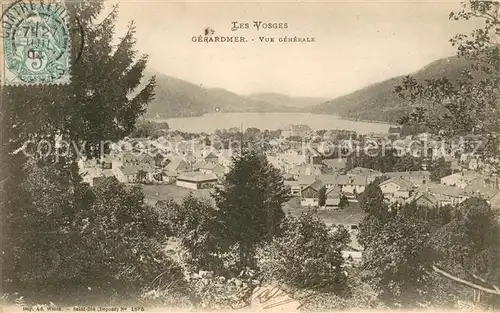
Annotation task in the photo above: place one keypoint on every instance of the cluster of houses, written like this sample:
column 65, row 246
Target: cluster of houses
column 309, row 175
column 187, row 164
column 192, row 164
column 397, row 187
column 306, row 171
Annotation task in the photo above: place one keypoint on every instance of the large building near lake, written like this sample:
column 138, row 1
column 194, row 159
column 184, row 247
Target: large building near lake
column 296, row 130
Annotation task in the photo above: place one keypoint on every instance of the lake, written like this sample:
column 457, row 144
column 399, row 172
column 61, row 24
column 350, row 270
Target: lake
column 208, row 123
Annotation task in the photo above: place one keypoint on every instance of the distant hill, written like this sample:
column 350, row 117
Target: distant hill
column 179, row 98
column 284, row 100
column 378, row 102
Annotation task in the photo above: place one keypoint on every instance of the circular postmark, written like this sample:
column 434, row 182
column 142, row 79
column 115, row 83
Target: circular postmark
column 36, row 43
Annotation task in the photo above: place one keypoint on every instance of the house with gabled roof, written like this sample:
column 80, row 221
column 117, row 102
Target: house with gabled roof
column 460, row 179
column 417, row 178
column 167, row 177
column 129, row 159
column 352, row 184
column 424, row 199
column 128, row 174
column 177, row 165
column 332, row 197
column 294, row 186
column 147, row 160
column 207, row 168
column 484, row 189
column 329, row 180
column 299, row 183
column 396, row 189
column 445, row 194
column 296, row 130
column 309, row 196
column 211, row 157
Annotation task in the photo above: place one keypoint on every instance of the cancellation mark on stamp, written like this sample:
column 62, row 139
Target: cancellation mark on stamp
column 35, row 43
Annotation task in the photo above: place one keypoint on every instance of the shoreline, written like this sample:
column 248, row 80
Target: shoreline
column 366, row 121
column 163, row 119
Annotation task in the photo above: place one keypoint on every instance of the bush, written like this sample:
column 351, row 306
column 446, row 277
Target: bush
column 306, row 256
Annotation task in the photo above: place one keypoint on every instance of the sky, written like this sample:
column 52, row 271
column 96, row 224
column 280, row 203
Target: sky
column 356, row 43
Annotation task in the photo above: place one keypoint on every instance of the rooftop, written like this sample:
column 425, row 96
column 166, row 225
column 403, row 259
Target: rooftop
column 174, row 164
column 363, row 171
column 335, row 163
column 408, row 174
column 316, row 185
column 328, row 179
column 438, row 189
column 197, row 177
column 359, row 180
column 399, row 181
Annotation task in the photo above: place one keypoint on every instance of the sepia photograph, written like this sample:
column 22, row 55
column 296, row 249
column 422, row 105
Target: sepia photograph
column 292, row 156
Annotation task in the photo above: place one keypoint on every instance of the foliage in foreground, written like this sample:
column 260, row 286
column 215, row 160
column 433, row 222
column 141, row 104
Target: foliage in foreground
column 96, row 243
column 307, row 255
column 468, row 104
column 249, row 206
column 403, row 242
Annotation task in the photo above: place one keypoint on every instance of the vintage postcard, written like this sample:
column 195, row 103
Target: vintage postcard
column 249, row 156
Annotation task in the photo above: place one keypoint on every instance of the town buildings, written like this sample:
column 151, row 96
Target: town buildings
column 196, row 180
column 192, row 164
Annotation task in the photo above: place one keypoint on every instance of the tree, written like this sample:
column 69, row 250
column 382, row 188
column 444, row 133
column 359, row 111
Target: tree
column 192, row 221
column 307, row 255
column 118, row 239
column 141, row 176
column 251, row 133
column 439, row 168
column 207, row 141
column 250, row 205
column 159, row 158
column 407, row 163
column 44, row 201
column 104, row 98
column 145, row 128
column 322, row 196
column 321, row 132
column 468, row 104
column 469, row 244
column 371, row 200
column 344, row 202
column 377, row 212
column 398, row 260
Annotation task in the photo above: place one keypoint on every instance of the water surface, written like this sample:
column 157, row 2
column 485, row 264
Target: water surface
column 208, row 123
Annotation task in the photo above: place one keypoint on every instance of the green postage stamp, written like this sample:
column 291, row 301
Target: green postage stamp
column 35, row 43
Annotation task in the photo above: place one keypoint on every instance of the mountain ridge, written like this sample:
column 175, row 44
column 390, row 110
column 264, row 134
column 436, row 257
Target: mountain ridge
column 175, row 97
column 282, row 99
column 378, row 101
